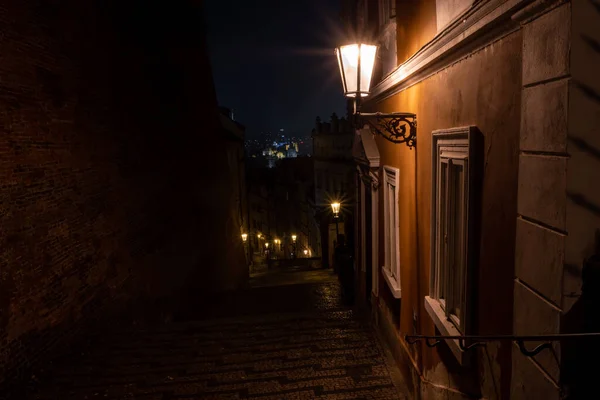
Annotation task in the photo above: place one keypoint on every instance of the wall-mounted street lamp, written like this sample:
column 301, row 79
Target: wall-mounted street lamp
column 356, row 63
column 335, row 207
column 305, row 252
column 244, row 237
column 294, row 237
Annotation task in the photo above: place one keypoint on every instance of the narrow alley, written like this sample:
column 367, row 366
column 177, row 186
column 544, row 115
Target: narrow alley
column 286, row 336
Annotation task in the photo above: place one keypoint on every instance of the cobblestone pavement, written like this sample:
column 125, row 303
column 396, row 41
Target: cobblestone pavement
column 290, row 341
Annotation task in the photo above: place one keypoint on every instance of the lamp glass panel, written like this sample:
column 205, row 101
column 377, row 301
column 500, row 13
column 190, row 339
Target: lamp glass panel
column 367, row 62
column 335, row 207
column 338, row 54
column 349, row 61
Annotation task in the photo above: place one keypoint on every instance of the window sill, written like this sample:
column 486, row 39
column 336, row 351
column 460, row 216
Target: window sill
column 446, row 328
column 393, row 285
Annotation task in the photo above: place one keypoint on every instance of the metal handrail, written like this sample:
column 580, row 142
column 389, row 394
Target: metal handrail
column 480, row 340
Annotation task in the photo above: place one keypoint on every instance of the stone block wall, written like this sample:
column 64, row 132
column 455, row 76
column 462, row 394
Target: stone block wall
column 109, row 168
column 559, row 195
column 541, row 221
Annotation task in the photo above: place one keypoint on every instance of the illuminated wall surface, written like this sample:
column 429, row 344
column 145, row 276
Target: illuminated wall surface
column 524, row 79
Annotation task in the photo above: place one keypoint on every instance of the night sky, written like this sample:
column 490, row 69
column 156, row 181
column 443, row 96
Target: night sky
column 273, row 61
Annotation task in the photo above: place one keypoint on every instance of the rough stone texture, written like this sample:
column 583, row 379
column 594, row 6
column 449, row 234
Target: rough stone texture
column 535, row 316
column 544, row 117
column 583, row 175
column 103, row 117
column 447, row 10
column 585, row 56
column 583, row 225
column 546, row 43
column 306, row 345
column 528, row 382
column 542, row 189
column 539, row 259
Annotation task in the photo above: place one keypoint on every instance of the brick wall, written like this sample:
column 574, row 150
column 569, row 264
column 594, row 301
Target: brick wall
column 109, row 168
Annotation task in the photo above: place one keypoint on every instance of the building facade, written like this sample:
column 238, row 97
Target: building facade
column 489, row 225
column 296, row 207
column 334, row 181
column 261, row 215
column 282, row 212
column 234, row 134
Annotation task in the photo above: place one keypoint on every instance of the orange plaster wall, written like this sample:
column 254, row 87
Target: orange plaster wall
column 482, row 90
column 417, row 25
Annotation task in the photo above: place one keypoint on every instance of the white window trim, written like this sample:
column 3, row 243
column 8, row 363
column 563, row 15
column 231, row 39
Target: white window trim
column 375, row 234
column 390, row 176
column 457, row 143
column 363, row 226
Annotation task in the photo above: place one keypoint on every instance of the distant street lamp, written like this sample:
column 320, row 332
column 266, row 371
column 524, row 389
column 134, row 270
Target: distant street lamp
column 244, row 240
column 305, row 252
column 356, row 62
column 294, row 237
column 335, row 207
column 258, row 237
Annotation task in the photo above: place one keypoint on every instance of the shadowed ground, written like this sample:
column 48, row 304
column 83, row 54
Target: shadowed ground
column 287, row 336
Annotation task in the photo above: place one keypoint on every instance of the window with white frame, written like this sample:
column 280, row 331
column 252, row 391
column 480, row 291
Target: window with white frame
column 391, row 269
column 454, row 197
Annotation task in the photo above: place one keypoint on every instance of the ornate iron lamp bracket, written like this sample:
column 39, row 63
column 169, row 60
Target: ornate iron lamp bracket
column 394, row 127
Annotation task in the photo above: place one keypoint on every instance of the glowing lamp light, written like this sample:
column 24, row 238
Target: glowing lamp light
column 259, row 236
column 356, row 62
column 335, row 207
column 244, row 237
column 294, row 238
column 305, row 252
column 267, row 245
